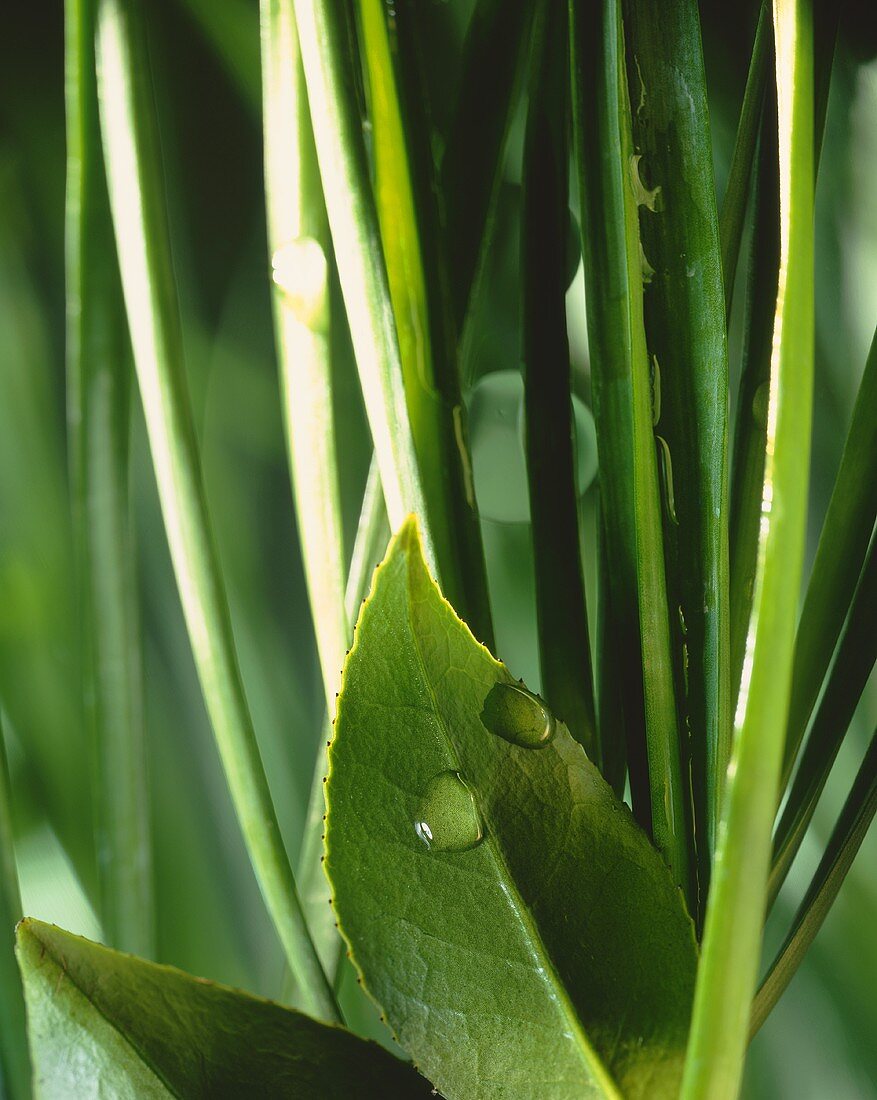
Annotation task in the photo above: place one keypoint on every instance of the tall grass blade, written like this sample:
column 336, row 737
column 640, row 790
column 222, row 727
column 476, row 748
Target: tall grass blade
column 672, row 176
column 846, row 839
column 732, row 940
column 564, row 648
column 298, row 239
column 620, row 366
column 843, row 545
column 856, row 654
column 324, row 36
column 410, row 222
column 140, row 221
column 15, row 1077
column 98, row 396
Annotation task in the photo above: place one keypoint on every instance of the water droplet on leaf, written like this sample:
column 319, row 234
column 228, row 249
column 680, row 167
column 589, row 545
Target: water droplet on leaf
column 300, row 270
column 518, row 716
column 448, row 819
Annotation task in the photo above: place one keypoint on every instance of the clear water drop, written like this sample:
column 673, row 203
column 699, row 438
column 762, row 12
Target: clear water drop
column 447, row 818
column 300, row 270
column 667, row 478
column 656, row 391
column 518, row 716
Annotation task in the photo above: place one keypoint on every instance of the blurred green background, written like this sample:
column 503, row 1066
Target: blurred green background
column 822, row 1040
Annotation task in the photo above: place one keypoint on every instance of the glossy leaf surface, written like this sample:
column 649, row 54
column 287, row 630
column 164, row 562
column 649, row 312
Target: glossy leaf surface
column 107, row 1024
column 518, row 929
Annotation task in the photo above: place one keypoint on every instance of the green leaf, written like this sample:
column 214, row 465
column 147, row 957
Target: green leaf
column 684, row 308
column 107, row 1024
column 536, row 945
column 14, row 1064
column 732, row 939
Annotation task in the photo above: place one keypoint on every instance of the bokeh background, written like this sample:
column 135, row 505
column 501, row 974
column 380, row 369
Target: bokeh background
column 822, row 1040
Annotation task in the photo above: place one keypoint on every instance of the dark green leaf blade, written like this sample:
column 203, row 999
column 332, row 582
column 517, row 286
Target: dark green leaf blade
column 553, row 957
column 108, row 1024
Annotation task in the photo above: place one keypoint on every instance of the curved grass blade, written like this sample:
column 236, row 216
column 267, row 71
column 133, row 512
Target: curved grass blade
column 298, row 238
column 496, row 51
column 515, row 925
column 405, row 193
column 98, row 396
column 684, row 309
column 623, row 405
column 140, row 221
column 846, row 839
column 856, row 654
column 107, row 1024
column 15, row 1077
column 733, row 212
column 843, row 546
column 564, row 648
column 732, row 940
column 324, row 39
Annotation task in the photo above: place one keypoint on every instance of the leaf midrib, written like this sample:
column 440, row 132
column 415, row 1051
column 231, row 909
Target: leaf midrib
column 538, row 951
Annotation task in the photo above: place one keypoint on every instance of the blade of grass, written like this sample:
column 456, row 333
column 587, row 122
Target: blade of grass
column 843, row 545
column 409, row 218
column 846, row 839
column 324, row 37
column 732, row 940
column 856, row 653
column 15, row 1078
column 98, row 395
column 494, row 61
column 140, row 220
column 749, row 436
column 298, row 238
column 620, row 367
column 596, row 79
column 733, row 211
column 687, row 344
column 564, row 649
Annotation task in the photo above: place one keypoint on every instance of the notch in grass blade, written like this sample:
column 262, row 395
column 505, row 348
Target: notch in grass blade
column 564, row 648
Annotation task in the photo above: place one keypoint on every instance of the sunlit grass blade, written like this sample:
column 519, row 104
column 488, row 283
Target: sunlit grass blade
column 372, row 536
column 298, row 238
column 853, row 662
column 409, row 216
column 842, row 548
column 14, row 1061
column 98, row 400
column 750, row 429
column 846, row 839
column 564, row 649
column 324, row 37
column 623, row 404
column 497, row 48
column 732, row 939
column 140, row 220
column 672, row 177
column 232, row 29
column 733, row 211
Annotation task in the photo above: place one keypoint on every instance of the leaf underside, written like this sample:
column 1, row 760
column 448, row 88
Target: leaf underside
column 107, row 1024
column 555, row 957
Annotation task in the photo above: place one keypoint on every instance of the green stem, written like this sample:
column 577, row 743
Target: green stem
column 410, row 218
column 564, row 648
column 140, row 220
column 846, row 839
column 298, row 238
column 15, row 1074
column 732, row 940
column 329, row 73
column 98, row 394
column 852, row 665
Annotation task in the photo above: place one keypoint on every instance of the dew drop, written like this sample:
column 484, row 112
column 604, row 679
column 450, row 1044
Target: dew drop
column 448, row 819
column 656, row 391
column 667, row 477
column 760, row 403
column 300, row 270
column 518, row 716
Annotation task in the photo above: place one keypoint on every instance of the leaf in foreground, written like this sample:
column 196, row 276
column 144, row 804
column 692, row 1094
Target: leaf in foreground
column 520, row 932
column 107, row 1024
